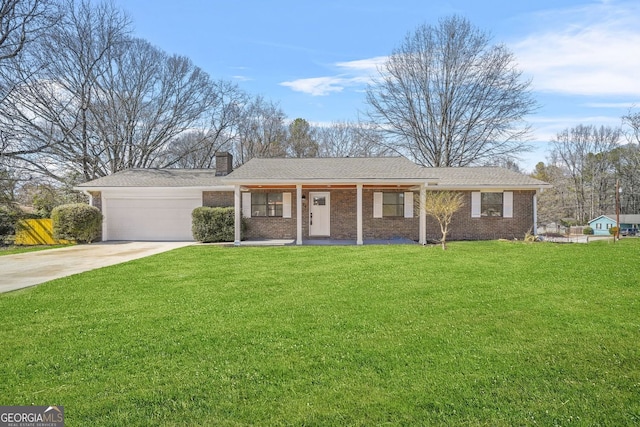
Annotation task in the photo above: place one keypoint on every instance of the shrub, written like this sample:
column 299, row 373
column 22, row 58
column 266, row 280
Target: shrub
column 8, row 220
column 214, row 224
column 76, row 221
column 587, row 230
column 529, row 237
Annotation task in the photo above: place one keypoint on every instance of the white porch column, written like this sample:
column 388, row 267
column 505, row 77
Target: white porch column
column 535, row 213
column 359, row 239
column 238, row 215
column 298, row 214
column 423, row 215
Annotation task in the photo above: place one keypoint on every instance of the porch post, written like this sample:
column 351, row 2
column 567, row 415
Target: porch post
column 238, row 215
column 423, row 215
column 298, row 214
column 535, row 213
column 359, row 240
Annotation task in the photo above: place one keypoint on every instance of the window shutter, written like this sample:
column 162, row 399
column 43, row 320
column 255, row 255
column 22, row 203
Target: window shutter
column 246, row 205
column 286, row 205
column 377, row 205
column 475, row 204
column 408, row 204
column 507, row 207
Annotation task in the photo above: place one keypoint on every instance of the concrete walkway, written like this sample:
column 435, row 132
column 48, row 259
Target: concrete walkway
column 32, row 268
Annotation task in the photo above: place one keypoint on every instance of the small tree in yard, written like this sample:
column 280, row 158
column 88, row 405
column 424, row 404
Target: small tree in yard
column 77, row 222
column 442, row 205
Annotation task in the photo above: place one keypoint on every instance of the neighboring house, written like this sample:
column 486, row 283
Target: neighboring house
column 332, row 198
column 603, row 223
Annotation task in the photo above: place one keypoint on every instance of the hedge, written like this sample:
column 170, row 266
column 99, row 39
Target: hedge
column 76, row 221
column 211, row 225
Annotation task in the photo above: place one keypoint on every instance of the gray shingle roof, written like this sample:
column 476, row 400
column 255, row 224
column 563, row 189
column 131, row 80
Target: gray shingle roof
column 331, row 170
column 484, row 176
column 157, row 178
column 346, row 168
column 381, row 168
column 624, row 218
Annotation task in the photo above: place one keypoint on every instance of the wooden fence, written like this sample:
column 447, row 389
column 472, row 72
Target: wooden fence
column 36, row 232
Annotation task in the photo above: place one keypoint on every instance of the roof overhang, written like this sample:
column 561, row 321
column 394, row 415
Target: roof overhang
column 331, row 182
column 156, row 189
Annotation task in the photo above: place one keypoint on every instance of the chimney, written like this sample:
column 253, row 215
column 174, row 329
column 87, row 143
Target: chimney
column 224, row 163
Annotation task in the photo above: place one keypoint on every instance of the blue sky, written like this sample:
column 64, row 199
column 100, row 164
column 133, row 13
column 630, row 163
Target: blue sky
column 315, row 57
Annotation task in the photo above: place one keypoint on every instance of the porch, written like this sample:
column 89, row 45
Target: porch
column 325, row 242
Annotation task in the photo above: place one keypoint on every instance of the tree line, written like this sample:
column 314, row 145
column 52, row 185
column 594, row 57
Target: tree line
column 586, row 165
column 81, row 97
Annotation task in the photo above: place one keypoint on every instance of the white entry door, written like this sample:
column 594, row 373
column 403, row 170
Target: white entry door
column 319, row 214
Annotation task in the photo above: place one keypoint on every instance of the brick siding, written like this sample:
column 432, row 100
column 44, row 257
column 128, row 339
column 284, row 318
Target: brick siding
column 344, row 220
column 218, row 199
column 463, row 227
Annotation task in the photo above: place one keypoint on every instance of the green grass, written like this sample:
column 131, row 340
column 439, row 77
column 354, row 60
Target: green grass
column 12, row 250
column 486, row 333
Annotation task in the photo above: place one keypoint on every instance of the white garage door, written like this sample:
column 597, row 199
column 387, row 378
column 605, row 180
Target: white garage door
column 150, row 219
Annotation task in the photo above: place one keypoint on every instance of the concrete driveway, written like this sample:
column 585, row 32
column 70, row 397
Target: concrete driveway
column 32, row 268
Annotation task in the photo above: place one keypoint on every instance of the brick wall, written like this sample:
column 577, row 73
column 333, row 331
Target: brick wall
column 344, row 220
column 463, row 227
column 218, row 199
column 388, row 227
column 270, row 227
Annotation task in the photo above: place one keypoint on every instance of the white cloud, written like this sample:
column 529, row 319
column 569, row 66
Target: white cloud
column 242, row 78
column 351, row 74
column 317, row 86
column 616, row 105
column 592, row 50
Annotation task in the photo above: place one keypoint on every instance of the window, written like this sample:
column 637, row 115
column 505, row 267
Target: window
column 392, row 204
column 491, row 204
column 598, row 226
column 266, row 204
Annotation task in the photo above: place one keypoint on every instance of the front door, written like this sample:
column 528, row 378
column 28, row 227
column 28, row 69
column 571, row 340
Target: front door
column 319, row 214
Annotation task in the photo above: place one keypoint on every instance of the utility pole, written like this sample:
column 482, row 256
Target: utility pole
column 617, row 236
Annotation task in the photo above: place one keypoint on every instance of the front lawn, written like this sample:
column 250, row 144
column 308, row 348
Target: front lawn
column 486, row 333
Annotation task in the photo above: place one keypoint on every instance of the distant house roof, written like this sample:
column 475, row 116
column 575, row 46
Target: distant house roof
column 624, row 218
column 157, row 178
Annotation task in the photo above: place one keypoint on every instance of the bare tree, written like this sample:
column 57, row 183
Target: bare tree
column 102, row 101
column 446, row 97
column 350, row 139
column 262, row 131
column 49, row 113
column 626, row 162
column 144, row 101
column 632, row 119
column 442, row 205
column 584, row 152
column 556, row 203
column 21, row 21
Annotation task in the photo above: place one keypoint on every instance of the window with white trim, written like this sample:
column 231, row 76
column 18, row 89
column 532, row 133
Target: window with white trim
column 491, row 204
column 392, row 204
column 488, row 204
column 266, row 204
